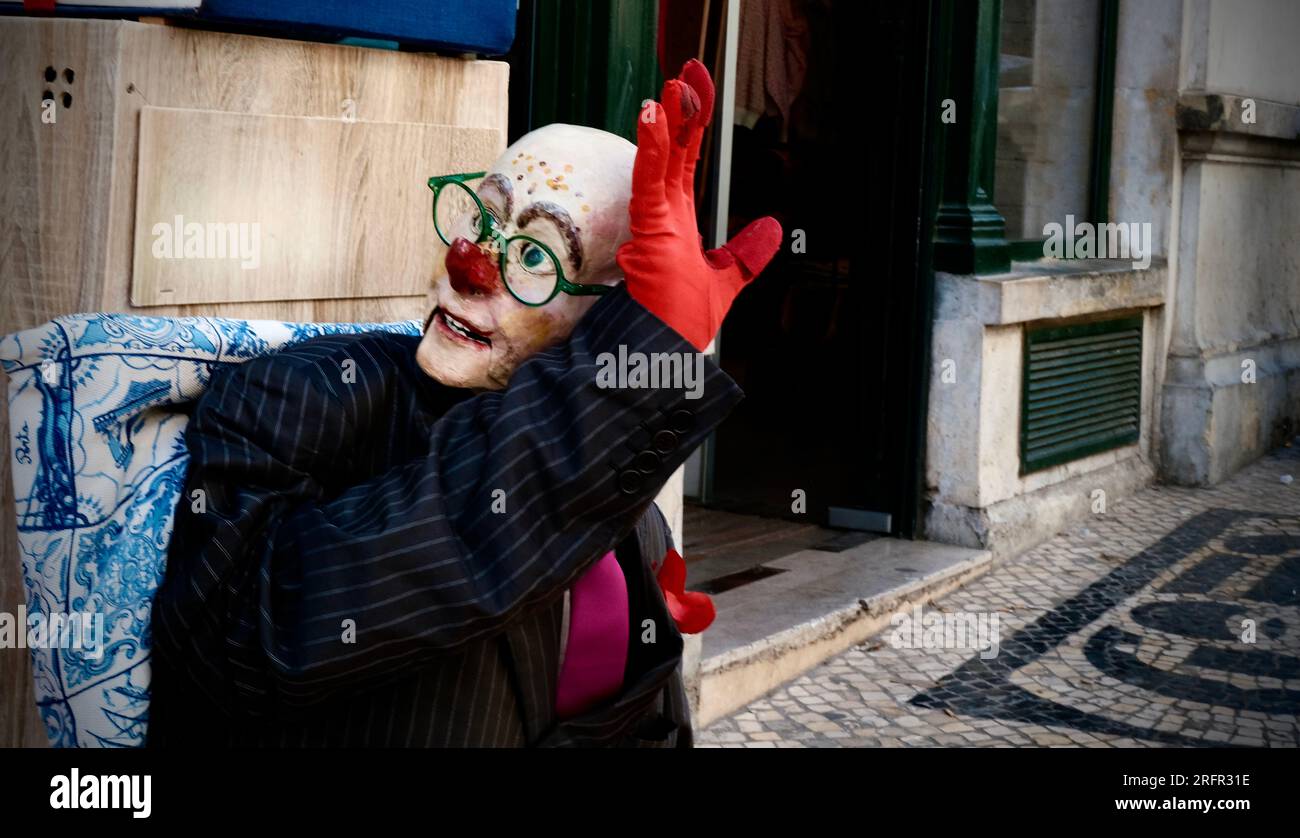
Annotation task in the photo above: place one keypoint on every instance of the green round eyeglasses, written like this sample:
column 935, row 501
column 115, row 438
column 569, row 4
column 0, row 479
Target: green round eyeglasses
column 530, row 270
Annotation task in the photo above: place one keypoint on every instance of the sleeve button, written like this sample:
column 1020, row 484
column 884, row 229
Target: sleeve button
column 682, row 421
column 647, row 461
column 665, row 441
column 629, row 482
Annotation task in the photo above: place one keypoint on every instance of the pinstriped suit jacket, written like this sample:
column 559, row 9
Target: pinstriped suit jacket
column 350, row 583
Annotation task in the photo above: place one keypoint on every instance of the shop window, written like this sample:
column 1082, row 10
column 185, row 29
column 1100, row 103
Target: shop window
column 1055, row 95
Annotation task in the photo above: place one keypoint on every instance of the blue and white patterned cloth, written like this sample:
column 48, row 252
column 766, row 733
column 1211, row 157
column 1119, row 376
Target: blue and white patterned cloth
column 97, row 441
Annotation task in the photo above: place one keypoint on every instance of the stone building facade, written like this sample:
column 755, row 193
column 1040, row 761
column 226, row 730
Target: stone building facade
column 1201, row 143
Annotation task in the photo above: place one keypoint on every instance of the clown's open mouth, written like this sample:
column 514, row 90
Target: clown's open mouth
column 459, row 329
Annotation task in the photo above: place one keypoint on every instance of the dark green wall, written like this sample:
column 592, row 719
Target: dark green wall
column 585, row 62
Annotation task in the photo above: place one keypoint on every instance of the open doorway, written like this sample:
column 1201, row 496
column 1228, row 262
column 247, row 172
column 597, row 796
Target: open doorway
column 821, row 124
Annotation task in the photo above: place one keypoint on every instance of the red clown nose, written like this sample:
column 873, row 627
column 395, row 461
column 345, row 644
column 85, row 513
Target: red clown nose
column 470, row 270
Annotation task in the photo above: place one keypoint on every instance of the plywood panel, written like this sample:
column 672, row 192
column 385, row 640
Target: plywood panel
column 249, row 207
column 168, row 66
column 67, row 214
column 55, row 175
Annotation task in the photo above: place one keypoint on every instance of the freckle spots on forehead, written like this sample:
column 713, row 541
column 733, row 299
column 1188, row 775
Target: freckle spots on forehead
column 532, row 171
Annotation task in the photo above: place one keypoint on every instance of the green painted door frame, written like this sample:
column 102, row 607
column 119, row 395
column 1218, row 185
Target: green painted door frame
column 970, row 235
column 585, row 62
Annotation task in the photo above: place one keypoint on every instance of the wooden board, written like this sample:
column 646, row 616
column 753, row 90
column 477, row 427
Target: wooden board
column 55, row 174
column 174, row 67
column 248, row 207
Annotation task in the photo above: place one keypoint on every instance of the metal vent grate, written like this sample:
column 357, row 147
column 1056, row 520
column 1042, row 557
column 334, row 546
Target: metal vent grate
column 1082, row 391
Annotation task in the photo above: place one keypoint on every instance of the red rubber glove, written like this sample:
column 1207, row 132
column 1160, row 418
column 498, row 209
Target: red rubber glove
column 692, row 611
column 664, row 264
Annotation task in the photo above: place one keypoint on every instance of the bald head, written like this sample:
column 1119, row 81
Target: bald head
column 578, row 178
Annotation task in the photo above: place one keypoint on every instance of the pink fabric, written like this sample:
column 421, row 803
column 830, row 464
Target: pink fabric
column 596, row 653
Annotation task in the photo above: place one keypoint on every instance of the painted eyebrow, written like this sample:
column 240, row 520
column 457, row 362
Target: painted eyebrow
column 560, row 218
column 502, row 184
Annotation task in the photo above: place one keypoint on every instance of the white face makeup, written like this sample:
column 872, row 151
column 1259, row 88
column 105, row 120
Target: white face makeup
column 566, row 186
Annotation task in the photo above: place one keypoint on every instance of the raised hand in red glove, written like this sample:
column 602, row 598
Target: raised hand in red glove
column 665, row 265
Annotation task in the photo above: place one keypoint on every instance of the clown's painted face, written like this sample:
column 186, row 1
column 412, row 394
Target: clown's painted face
column 563, row 185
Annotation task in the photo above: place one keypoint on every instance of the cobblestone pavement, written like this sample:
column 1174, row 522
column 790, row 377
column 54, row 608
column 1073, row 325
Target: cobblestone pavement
column 1172, row 619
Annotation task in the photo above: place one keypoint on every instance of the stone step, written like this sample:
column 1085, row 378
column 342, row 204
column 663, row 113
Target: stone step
column 771, row 630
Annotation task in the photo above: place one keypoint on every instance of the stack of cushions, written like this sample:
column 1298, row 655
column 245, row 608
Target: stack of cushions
column 96, row 426
column 86, row 8
column 484, row 26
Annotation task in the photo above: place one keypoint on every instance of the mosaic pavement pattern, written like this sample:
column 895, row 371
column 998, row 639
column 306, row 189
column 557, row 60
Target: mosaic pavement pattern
column 1170, row 620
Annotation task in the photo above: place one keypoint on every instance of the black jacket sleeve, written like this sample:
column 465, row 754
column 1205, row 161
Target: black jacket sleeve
column 294, row 585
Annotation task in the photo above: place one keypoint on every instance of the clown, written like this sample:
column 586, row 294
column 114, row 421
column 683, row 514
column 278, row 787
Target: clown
column 455, row 543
